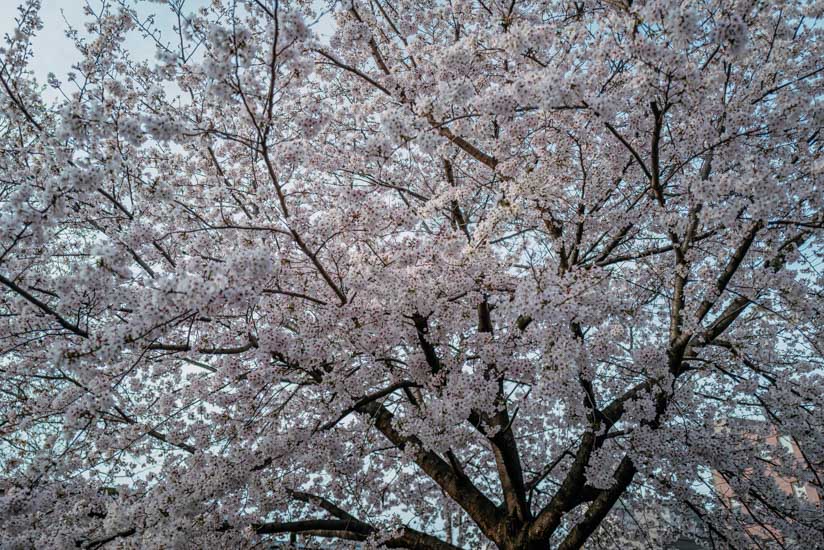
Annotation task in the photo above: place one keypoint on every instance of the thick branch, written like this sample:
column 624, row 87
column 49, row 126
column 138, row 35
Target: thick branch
column 460, row 488
column 43, row 307
column 732, row 266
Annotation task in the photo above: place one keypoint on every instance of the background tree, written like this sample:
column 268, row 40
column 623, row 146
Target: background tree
column 461, row 273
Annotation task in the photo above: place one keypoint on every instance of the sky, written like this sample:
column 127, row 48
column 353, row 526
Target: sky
column 55, row 53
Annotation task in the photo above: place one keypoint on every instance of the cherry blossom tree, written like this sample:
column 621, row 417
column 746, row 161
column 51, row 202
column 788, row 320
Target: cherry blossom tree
column 463, row 274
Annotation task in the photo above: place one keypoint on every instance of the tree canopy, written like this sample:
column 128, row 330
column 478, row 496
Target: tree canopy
column 454, row 274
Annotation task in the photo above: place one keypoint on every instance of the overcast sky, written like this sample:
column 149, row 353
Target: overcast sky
column 54, row 52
